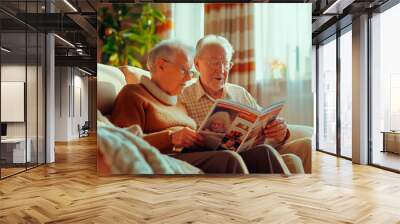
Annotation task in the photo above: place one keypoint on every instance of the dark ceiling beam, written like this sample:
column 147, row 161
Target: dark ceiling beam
column 338, row 16
column 49, row 22
column 331, row 30
column 337, row 7
column 89, row 70
column 15, row 18
column 84, row 24
column 91, row 5
column 78, row 61
column 381, row 6
column 320, row 22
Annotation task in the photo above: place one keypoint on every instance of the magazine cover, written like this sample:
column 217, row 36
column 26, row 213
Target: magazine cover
column 233, row 126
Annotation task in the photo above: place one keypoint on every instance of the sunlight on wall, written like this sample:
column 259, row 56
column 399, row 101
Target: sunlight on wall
column 186, row 17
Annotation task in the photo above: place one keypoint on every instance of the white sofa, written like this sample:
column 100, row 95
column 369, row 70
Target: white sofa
column 110, row 81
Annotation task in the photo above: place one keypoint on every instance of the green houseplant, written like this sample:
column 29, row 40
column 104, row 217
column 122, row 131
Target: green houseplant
column 128, row 32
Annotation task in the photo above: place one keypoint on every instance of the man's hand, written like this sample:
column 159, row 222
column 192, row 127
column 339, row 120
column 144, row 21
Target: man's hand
column 186, row 137
column 277, row 130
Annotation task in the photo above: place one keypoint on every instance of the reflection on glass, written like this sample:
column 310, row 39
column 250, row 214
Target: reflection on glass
column 41, row 99
column 346, row 94
column 31, row 101
column 327, row 97
column 385, row 85
column 13, row 85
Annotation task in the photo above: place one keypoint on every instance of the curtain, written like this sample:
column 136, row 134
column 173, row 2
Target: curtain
column 272, row 57
column 283, row 55
column 235, row 22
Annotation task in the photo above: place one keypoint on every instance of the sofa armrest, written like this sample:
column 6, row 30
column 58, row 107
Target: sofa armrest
column 300, row 131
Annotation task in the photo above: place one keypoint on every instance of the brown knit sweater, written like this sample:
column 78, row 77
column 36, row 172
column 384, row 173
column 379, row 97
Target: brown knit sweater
column 137, row 105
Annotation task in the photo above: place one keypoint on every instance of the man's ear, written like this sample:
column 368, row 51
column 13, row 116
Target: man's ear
column 196, row 64
column 160, row 64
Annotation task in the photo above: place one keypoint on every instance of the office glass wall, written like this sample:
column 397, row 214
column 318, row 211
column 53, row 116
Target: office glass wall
column 385, row 89
column 346, row 94
column 327, row 96
column 22, row 89
column 13, row 87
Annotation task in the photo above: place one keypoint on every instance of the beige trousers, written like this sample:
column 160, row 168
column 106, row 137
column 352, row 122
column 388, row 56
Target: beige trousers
column 256, row 160
column 300, row 147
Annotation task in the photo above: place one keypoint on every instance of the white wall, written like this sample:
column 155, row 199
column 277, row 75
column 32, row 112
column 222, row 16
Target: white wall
column 61, row 103
column 14, row 73
column 71, row 94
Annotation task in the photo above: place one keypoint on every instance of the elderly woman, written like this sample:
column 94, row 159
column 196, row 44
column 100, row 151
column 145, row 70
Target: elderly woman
column 153, row 105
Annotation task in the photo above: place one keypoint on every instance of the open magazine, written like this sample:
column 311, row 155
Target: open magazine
column 233, row 126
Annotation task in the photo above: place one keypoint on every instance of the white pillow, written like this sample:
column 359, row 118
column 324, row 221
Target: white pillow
column 133, row 74
column 110, row 81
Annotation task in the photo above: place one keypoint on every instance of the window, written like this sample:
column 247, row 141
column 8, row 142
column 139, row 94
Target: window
column 282, row 34
column 385, row 84
column 327, row 96
column 346, row 94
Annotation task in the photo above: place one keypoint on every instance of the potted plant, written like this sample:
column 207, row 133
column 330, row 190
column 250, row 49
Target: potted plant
column 128, row 32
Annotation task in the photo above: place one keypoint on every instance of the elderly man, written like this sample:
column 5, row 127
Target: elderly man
column 214, row 60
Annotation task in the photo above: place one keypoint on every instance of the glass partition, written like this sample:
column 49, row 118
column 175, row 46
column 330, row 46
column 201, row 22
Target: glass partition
column 14, row 153
column 22, row 77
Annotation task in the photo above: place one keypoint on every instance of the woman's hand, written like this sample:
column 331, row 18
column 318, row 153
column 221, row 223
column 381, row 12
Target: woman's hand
column 186, row 137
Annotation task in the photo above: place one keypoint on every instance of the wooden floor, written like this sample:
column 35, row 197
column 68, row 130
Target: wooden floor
column 10, row 171
column 70, row 191
column 387, row 159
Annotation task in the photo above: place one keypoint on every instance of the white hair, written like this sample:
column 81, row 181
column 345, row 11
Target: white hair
column 168, row 49
column 212, row 39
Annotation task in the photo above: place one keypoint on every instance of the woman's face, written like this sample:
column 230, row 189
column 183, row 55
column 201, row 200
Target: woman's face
column 175, row 73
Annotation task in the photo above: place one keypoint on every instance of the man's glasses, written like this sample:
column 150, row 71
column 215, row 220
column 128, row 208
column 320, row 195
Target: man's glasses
column 182, row 70
column 226, row 65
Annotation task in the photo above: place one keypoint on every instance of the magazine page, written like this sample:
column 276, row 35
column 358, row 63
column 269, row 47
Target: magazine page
column 226, row 125
column 256, row 135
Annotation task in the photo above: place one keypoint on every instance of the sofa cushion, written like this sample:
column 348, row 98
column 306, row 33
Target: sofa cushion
column 110, row 81
column 133, row 74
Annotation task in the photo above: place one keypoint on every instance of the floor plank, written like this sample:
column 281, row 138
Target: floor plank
column 69, row 191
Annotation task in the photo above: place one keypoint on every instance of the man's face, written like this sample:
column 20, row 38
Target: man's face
column 213, row 66
column 175, row 73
